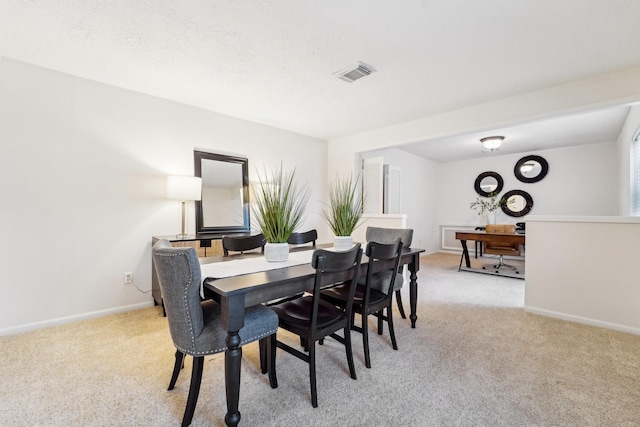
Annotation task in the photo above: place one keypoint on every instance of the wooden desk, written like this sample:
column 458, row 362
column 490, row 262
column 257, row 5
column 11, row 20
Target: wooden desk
column 236, row 293
column 481, row 236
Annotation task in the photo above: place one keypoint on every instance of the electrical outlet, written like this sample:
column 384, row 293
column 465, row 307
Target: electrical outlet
column 128, row 278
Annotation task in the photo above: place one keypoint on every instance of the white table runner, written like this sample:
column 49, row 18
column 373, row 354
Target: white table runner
column 236, row 267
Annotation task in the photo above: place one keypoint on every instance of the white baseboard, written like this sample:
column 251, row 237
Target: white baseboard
column 71, row 319
column 583, row 320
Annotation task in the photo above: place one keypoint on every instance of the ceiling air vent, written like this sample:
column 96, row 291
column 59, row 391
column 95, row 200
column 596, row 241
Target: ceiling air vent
column 355, row 72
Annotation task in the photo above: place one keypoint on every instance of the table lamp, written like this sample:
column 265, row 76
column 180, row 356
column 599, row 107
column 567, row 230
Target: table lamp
column 185, row 189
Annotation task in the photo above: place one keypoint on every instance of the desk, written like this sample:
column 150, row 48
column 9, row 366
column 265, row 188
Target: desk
column 236, row 293
column 481, row 236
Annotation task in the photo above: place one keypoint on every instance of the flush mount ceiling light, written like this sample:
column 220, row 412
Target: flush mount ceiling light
column 491, row 143
column 354, row 72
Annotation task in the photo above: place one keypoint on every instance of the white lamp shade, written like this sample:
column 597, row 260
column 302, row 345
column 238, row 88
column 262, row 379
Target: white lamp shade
column 184, row 187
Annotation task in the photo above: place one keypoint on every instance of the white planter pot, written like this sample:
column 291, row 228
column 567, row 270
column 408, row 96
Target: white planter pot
column 343, row 243
column 491, row 218
column 276, row 252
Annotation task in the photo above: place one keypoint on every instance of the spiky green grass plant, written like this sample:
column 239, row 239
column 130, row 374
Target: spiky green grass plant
column 278, row 204
column 345, row 206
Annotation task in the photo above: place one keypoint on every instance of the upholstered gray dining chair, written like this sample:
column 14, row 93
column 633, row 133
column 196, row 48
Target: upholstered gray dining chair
column 195, row 325
column 381, row 280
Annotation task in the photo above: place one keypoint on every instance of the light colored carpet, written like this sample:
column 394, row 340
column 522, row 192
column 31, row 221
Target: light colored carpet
column 475, row 359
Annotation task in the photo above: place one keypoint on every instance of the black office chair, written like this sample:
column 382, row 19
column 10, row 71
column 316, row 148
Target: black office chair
column 303, row 238
column 370, row 298
column 313, row 319
column 243, row 243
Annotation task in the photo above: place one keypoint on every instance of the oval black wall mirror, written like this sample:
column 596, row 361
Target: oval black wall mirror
column 531, row 169
column 488, row 183
column 518, row 203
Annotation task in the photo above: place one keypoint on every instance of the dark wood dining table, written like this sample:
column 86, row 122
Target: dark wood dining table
column 237, row 292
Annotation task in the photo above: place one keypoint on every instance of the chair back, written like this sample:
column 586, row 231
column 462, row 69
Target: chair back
column 242, row 243
column 500, row 228
column 378, row 252
column 178, row 271
column 301, row 238
column 389, row 235
column 499, row 247
column 335, row 267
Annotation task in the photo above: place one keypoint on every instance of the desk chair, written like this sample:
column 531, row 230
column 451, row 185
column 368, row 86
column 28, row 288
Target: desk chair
column 313, row 319
column 242, row 243
column 368, row 300
column 196, row 327
column 303, row 238
column 499, row 248
column 388, row 236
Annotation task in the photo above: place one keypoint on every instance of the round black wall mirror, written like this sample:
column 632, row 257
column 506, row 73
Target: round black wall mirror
column 517, row 203
column 488, row 184
column 531, row 169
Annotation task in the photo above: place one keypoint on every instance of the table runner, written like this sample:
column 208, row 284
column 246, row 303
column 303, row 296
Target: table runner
column 237, row 267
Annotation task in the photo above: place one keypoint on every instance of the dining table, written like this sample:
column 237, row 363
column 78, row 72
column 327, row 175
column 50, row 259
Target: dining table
column 236, row 288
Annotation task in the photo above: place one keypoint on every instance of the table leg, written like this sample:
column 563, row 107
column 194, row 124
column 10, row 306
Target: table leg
column 232, row 322
column 414, row 266
column 465, row 255
column 232, row 361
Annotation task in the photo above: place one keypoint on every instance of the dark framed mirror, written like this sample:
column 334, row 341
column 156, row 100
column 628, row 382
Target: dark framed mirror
column 488, row 184
column 517, row 203
column 531, row 169
column 224, row 207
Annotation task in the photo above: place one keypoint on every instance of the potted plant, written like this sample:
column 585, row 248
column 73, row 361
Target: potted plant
column 278, row 206
column 483, row 205
column 344, row 211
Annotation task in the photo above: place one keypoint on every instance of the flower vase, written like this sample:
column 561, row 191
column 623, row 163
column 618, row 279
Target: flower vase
column 491, row 217
column 343, row 243
column 276, row 252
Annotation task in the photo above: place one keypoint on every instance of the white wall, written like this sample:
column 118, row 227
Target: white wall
column 420, row 178
column 625, row 146
column 82, row 173
column 582, row 180
column 597, row 284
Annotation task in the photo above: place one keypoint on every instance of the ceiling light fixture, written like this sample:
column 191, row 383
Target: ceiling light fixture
column 354, row 72
column 492, row 143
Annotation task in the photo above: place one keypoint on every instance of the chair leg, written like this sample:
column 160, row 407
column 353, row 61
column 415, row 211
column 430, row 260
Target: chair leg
column 312, row 374
column 399, row 301
column 347, row 345
column 271, row 360
column 194, row 390
column 380, row 324
column 392, row 332
column 176, row 369
column 365, row 340
column 262, row 345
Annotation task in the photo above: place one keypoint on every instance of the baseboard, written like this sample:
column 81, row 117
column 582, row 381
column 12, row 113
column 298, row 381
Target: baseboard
column 583, row 320
column 71, row 319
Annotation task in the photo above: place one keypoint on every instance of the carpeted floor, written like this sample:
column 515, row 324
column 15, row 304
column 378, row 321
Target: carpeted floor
column 475, row 359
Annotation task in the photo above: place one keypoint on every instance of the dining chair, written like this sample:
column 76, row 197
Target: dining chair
column 242, row 243
column 367, row 300
column 313, row 319
column 500, row 248
column 196, row 327
column 386, row 236
column 303, row 238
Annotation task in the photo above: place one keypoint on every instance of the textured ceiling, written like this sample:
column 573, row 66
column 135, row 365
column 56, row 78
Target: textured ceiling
column 272, row 61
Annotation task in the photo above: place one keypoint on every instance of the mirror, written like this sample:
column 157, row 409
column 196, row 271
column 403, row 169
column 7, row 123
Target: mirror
column 531, row 169
column 488, row 183
column 518, row 203
column 224, row 207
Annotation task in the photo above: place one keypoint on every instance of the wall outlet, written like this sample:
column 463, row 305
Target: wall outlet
column 128, row 278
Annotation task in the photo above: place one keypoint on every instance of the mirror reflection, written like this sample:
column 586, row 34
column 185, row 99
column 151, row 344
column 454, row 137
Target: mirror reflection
column 531, row 169
column 488, row 184
column 518, row 203
column 225, row 198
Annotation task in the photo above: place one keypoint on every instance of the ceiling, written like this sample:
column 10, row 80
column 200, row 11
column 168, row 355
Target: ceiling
column 273, row 61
